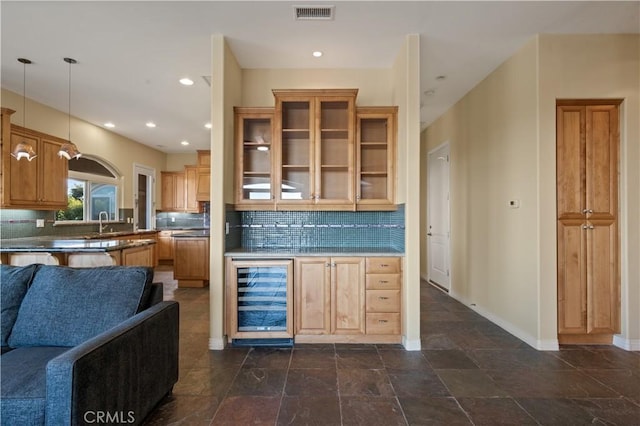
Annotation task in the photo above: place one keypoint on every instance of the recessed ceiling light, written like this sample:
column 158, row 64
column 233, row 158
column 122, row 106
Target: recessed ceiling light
column 185, row 143
column 186, row 81
column 109, row 125
column 317, row 53
column 150, row 124
column 208, row 125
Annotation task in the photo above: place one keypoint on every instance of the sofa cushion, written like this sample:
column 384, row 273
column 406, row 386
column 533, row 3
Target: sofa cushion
column 15, row 282
column 66, row 306
column 23, row 384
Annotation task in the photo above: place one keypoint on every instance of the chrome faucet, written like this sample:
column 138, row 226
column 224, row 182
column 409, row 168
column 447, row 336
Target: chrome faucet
column 106, row 215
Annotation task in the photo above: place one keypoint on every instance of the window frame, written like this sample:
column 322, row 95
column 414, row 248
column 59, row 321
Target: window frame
column 90, row 178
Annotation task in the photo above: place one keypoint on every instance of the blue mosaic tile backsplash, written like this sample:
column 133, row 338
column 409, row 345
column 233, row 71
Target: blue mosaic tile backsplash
column 291, row 229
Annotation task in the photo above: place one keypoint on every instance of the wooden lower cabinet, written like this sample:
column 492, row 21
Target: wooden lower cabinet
column 345, row 299
column 191, row 261
column 165, row 246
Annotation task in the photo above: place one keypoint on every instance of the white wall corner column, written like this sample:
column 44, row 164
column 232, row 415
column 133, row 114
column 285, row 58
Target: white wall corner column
column 407, row 97
column 217, row 213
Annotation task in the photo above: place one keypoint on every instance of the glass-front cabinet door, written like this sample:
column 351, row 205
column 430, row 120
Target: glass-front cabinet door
column 296, row 155
column 334, row 149
column 317, row 135
column 376, row 151
column 254, row 158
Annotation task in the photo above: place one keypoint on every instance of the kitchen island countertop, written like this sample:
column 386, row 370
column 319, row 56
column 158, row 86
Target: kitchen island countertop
column 67, row 245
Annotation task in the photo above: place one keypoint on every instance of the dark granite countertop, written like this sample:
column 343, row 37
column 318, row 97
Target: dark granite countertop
column 58, row 245
column 313, row 251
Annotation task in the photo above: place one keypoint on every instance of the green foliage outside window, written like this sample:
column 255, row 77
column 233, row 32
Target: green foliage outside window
column 75, row 205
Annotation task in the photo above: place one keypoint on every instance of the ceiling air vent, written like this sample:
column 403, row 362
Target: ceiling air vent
column 313, row 13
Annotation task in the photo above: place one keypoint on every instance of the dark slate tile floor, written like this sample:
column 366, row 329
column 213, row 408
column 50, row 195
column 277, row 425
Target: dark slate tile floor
column 469, row 372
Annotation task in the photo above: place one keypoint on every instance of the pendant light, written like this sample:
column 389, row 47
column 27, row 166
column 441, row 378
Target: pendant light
column 68, row 149
column 24, row 148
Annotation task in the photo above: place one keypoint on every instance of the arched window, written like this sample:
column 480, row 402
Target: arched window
column 93, row 187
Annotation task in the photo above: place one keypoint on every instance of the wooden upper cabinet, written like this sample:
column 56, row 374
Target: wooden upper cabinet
column 376, row 158
column 174, row 191
column 315, row 151
column 203, row 176
column 39, row 184
column 315, row 131
column 190, row 188
column 255, row 175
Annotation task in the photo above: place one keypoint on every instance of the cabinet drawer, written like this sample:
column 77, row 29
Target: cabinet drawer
column 383, row 300
column 388, row 323
column 383, row 281
column 383, row 265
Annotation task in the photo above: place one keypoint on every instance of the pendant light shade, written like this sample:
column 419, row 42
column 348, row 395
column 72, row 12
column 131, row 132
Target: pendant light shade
column 68, row 149
column 24, row 148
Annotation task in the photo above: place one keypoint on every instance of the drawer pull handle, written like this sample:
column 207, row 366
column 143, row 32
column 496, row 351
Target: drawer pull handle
column 383, row 297
column 383, row 282
column 382, row 321
column 384, row 265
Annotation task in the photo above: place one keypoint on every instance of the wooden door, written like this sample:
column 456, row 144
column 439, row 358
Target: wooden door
column 23, row 183
column 312, row 294
column 603, row 294
column 587, row 187
column 348, row 295
column 191, row 187
column 54, row 172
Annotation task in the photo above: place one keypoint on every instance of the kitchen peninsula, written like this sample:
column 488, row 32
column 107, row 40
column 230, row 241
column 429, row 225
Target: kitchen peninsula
column 79, row 252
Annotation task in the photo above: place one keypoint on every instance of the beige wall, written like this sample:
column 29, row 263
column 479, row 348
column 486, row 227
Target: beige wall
column 176, row 162
column 374, row 85
column 116, row 150
column 502, row 138
column 592, row 66
column 493, row 140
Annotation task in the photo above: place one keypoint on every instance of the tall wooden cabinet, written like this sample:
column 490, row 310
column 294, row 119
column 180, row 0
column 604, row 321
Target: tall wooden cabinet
column 39, row 184
column 588, row 247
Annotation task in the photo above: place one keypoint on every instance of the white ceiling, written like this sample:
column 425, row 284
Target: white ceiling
column 131, row 54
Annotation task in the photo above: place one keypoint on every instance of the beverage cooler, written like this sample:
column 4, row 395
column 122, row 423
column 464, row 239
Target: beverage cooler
column 259, row 302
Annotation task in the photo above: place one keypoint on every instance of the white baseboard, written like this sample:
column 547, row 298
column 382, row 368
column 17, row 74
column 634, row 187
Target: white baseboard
column 411, row 345
column 541, row 345
column 626, row 344
column 216, row 344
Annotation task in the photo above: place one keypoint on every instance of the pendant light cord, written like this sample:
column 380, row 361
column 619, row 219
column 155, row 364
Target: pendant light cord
column 24, row 94
column 69, row 114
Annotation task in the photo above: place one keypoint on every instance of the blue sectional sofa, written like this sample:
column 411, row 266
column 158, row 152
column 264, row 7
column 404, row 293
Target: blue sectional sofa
column 83, row 346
